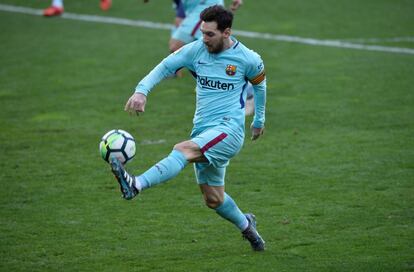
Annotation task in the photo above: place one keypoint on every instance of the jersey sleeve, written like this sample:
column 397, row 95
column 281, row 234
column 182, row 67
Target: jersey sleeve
column 255, row 71
column 169, row 66
column 257, row 77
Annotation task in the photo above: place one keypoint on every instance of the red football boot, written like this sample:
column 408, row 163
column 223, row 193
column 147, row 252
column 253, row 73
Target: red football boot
column 106, row 4
column 53, row 11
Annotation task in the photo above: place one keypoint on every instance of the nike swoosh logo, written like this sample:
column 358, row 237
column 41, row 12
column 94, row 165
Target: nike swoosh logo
column 200, row 62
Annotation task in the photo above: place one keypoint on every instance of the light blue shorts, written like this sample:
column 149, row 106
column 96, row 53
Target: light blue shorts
column 189, row 29
column 218, row 144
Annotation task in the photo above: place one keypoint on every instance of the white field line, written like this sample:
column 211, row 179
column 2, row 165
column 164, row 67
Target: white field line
column 329, row 43
column 153, row 142
column 249, row 34
column 380, row 40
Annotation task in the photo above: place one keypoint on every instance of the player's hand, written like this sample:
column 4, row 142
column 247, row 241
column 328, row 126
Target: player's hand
column 256, row 132
column 136, row 103
column 235, row 4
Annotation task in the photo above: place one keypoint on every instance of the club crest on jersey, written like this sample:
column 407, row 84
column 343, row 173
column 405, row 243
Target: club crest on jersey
column 231, row 69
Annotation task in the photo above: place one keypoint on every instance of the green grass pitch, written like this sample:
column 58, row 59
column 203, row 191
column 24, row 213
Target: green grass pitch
column 331, row 182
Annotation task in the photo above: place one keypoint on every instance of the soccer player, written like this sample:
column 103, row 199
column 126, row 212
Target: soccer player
column 56, row 8
column 190, row 31
column 221, row 66
column 188, row 20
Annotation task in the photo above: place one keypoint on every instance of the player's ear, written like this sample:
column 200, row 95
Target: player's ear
column 227, row 32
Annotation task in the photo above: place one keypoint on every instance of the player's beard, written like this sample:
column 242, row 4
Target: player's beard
column 215, row 48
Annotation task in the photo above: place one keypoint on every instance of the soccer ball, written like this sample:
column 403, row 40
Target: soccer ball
column 119, row 144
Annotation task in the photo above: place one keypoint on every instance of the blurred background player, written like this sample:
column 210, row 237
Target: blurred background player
column 56, row 8
column 189, row 28
column 187, row 20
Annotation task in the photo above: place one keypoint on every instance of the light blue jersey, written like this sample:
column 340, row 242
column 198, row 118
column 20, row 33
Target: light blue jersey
column 219, row 117
column 221, row 79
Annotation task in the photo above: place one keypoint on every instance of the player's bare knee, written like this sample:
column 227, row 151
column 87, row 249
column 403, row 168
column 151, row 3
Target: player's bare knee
column 174, row 45
column 190, row 150
column 173, row 48
column 183, row 147
column 213, row 203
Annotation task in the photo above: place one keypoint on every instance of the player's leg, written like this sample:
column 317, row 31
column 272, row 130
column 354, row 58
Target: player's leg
column 55, row 9
column 57, row 3
column 211, row 182
column 169, row 167
column 179, row 14
column 185, row 31
column 218, row 146
column 164, row 170
column 176, row 42
column 216, row 199
column 251, row 234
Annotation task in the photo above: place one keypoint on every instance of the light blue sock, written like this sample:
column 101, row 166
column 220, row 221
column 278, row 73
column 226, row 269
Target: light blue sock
column 229, row 210
column 57, row 3
column 164, row 170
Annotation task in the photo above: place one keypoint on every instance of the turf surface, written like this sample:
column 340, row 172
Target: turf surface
column 331, row 181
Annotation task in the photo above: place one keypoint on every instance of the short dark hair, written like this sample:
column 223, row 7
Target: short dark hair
column 218, row 14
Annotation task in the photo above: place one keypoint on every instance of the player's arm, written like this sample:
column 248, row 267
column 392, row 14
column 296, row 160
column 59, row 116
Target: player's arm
column 175, row 61
column 258, row 80
column 259, row 94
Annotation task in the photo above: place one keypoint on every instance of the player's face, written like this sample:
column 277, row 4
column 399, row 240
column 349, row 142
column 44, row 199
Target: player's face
column 212, row 37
